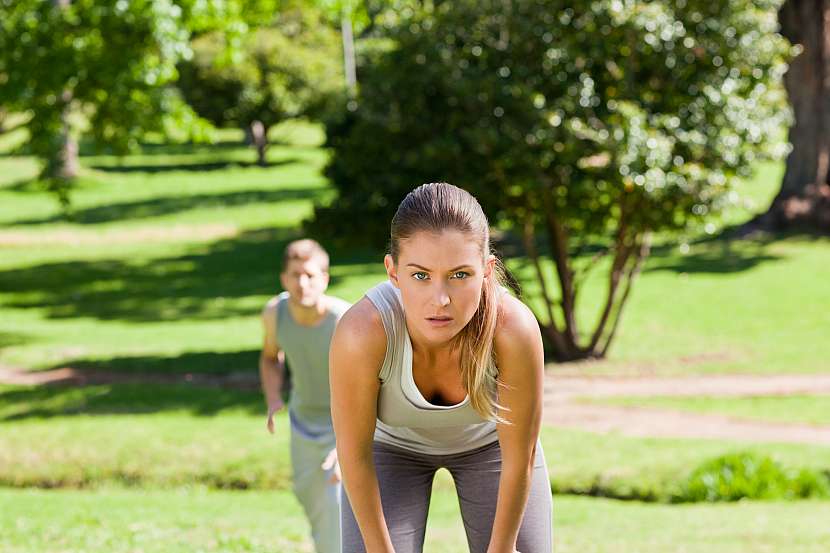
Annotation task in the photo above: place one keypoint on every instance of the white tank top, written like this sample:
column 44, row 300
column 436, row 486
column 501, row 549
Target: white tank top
column 405, row 418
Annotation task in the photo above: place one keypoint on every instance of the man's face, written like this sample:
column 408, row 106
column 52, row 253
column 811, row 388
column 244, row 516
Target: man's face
column 305, row 280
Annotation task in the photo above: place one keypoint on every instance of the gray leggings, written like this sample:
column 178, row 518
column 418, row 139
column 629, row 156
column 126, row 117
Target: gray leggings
column 405, row 480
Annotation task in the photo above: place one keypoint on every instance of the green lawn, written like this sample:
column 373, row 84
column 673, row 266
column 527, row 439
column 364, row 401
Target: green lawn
column 170, row 254
column 173, row 435
column 794, row 409
column 164, row 265
column 188, row 520
column 166, row 261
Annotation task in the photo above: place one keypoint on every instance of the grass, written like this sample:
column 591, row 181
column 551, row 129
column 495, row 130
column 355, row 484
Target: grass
column 117, row 521
column 169, row 254
column 163, row 266
column 805, row 409
column 166, row 436
column 165, row 261
column 139, row 435
column 651, row 469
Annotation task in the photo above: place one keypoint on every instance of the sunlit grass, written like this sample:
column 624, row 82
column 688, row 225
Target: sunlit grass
column 186, row 520
column 785, row 409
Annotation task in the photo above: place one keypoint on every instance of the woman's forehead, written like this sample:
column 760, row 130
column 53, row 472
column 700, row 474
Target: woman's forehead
column 449, row 248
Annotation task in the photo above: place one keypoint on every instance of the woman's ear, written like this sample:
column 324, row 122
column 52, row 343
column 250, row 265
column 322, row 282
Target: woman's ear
column 391, row 270
column 489, row 264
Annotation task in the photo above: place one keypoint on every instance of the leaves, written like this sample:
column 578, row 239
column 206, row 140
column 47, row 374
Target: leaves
column 100, row 67
column 594, row 124
column 286, row 70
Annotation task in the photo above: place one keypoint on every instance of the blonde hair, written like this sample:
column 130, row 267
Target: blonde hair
column 304, row 250
column 436, row 207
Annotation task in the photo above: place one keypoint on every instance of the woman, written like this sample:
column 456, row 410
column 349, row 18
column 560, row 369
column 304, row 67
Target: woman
column 440, row 368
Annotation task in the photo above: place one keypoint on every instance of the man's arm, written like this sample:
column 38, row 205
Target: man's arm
column 271, row 363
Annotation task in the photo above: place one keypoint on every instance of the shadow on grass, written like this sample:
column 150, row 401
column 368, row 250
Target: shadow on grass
column 716, row 255
column 11, row 339
column 202, row 362
column 20, row 403
column 166, row 205
column 201, row 285
column 191, row 167
column 88, row 148
column 184, row 148
column 23, row 185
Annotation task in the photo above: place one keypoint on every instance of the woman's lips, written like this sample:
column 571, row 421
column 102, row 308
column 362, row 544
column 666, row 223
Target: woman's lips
column 439, row 321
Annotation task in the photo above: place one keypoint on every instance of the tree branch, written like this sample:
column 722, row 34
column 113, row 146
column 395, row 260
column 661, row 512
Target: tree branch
column 559, row 248
column 621, row 255
column 530, row 247
column 642, row 254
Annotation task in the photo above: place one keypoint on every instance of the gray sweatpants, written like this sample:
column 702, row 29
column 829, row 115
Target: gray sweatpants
column 405, row 480
column 320, row 498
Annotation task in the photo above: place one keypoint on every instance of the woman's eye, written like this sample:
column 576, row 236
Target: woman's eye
column 420, row 275
column 460, row 274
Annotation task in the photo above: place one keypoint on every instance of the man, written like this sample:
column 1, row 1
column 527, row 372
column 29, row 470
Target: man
column 298, row 325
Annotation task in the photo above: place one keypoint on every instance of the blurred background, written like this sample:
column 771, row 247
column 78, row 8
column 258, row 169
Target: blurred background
column 656, row 174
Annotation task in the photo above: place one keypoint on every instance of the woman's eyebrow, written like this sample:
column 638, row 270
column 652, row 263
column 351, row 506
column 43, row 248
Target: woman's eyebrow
column 430, row 270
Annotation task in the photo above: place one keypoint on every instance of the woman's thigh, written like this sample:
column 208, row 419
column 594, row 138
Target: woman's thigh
column 476, row 476
column 405, row 481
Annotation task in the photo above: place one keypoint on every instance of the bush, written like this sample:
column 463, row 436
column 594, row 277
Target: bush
column 750, row 476
column 581, row 127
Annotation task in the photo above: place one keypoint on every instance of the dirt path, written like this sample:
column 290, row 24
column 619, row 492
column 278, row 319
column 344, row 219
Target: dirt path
column 562, row 408
column 562, row 400
column 172, row 233
column 68, row 376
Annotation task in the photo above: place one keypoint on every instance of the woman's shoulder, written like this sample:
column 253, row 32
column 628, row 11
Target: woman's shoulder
column 360, row 330
column 517, row 326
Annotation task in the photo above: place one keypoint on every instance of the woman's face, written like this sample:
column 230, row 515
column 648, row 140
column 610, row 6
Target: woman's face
column 440, row 277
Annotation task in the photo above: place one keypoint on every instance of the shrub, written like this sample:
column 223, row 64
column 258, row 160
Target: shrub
column 750, row 476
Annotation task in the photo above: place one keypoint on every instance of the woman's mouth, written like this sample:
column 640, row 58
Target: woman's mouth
column 439, row 321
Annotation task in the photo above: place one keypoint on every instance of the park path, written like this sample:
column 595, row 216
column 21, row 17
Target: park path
column 242, row 380
column 564, row 406
column 564, row 409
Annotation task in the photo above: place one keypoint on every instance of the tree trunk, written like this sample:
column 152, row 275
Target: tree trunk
column 804, row 198
column 259, row 139
column 349, row 63
column 64, row 164
column 631, row 247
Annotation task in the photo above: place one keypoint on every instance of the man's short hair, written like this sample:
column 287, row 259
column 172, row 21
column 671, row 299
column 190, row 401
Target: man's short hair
column 304, row 250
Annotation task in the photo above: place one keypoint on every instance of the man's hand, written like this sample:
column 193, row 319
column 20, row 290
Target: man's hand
column 331, row 464
column 273, row 408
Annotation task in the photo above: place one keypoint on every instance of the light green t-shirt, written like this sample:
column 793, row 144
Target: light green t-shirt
column 307, row 352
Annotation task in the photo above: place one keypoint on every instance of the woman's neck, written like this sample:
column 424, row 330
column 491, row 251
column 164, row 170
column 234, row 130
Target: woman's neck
column 429, row 352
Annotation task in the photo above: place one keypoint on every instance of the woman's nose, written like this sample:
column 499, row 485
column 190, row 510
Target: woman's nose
column 442, row 298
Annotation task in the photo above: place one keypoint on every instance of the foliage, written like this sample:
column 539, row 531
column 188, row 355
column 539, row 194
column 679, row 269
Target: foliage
column 286, row 70
column 106, row 65
column 751, row 476
column 595, row 125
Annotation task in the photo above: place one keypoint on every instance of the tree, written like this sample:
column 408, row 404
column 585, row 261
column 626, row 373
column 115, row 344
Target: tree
column 581, row 130
column 804, row 197
column 99, row 68
column 290, row 68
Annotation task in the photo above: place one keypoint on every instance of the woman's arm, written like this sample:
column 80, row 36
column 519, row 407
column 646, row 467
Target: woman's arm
column 355, row 358
column 520, row 359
